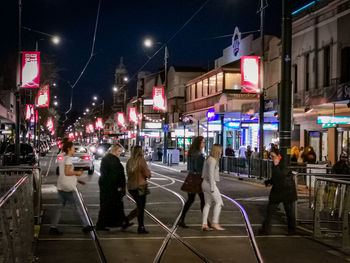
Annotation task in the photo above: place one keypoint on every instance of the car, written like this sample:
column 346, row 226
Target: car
column 82, row 159
column 102, row 149
column 28, row 155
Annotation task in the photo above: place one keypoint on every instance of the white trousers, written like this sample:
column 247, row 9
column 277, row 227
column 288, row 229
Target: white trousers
column 209, row 197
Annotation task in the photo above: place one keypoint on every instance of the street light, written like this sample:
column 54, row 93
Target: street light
column 56, row 40
column 87, row 110
column 94, row 98
column 55, row 103
column 93, row 104
column 115, row 89
column 148, row 42
column 126, row 79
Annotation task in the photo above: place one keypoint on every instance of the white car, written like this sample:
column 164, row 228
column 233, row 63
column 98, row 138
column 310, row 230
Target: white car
column 82, row 159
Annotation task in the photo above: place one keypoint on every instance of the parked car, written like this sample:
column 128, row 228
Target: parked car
column 102, row 149
column 28, row 155
column 82, row 159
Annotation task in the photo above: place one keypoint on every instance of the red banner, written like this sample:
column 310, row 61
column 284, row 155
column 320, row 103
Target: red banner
column 250, row 73
column 121, row 118
column 89, row 128
column 30, row 72
column 29, row 114
column 49, row 124
column 71, row 136
column 43, row 98
column 99, row 124
column 132, row 115
column 158, row 98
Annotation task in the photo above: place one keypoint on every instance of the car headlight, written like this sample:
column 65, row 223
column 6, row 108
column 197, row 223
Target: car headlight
column 100, row 151
column 93, row 149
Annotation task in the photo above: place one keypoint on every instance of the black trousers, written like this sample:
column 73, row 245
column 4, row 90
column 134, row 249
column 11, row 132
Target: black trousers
column 289, row 209
column 139, row 211
column 189, row 202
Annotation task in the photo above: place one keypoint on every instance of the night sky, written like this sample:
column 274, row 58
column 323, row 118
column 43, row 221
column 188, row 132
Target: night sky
column 121, row 30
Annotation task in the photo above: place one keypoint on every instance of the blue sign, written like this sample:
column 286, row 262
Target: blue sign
column 166, row 128
column 211, row 116
column 232, row 124
column 333, row 120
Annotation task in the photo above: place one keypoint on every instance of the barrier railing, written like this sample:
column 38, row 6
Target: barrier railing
column 16, row 218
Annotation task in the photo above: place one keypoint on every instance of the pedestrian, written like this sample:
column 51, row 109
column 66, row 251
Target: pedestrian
column 67, row 189
column 138, row 173
column 193, row 181
column 210, row 175
column 301, row 155
column 160, row 154
column 229, row 151
column 255, row 154
column 283, row 190
column 341, row 166
column 294, row 154
column 310, row 155
column 248, row 152
column 112, row 185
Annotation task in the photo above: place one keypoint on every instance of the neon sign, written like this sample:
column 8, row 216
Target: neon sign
column 333, row 120
column 211, row 114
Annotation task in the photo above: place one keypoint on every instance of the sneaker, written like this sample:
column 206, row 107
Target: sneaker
column 54, row 231
column 87, row 229
column 142, row 230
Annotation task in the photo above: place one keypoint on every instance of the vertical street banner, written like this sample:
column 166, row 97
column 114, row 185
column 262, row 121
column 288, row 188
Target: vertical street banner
column 121, row 118
column 99, row 124
column 29, row 113
column 30, row 71
column 158, row 98
column 43, row 98
column 250, row 73
column 49, row 124
column 132, row 115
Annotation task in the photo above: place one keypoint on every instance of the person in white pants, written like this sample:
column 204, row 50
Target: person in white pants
column 210, row 175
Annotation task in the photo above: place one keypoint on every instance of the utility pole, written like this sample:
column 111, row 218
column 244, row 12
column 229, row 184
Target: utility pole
column 166, row 55
column 262, row 101
column 18, row 81
column 285, row 91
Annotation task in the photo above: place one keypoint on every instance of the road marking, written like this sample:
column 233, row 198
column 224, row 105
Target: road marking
column 254, row 199
column 48, row 189
column 168, row 168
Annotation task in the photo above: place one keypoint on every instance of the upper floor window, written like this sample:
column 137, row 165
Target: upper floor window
column 212, row 84
column 219, row 81
column 199, row 89
column 193, row 91
column 205, row 87
column 188, row 93
column 232, row 81
column 307, row 72
column 326, row 66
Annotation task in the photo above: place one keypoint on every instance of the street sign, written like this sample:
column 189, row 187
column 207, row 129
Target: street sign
column 166, row 128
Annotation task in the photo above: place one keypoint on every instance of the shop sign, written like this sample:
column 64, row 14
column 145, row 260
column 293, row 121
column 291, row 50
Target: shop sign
column 250, row 73
column 30, row 72
column 121, row 118
column 180, row 133
column 232, row 124
column 153, row 125
column 211, row 116
column 329, row 125
column 236, row 40
column 147, row 102
column 132, row 115
column 43, row 98
column 333, row 120
column 158, row 98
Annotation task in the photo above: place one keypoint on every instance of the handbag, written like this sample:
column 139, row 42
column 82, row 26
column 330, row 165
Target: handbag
column 192, row 184
column 143, row 190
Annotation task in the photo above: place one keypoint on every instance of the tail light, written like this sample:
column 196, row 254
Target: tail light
column 85, row 158
column 59, row 158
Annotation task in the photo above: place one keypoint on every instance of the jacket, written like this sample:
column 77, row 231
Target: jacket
column 211, row 172
column 138, row 176
column 195, row 163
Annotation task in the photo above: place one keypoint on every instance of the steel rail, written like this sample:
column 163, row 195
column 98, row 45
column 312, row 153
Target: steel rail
column 12, row 190
column 93, row 233
column 246, row 220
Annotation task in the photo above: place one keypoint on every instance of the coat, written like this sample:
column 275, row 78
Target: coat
column 283, row 186
column 139, row 176
column 112, row 189
column 195, row 163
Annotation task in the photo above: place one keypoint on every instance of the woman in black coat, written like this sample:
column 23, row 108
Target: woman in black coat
column 112, row 185
column 283, row 190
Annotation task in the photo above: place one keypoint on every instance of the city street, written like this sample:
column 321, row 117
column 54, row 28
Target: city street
column 165, row 204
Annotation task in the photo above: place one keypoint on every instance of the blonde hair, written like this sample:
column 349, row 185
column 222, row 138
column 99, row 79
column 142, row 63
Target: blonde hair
column 115, row 147
column 295, row 151
column 134, row 162
column 216, row 151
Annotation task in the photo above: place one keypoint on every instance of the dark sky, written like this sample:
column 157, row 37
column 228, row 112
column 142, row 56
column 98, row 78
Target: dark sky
column 121, row 29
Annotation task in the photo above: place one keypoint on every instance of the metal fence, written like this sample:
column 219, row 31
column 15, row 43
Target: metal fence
column 17, row 196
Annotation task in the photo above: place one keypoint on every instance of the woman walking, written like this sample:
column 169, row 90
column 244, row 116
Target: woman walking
column 193, row 181
column 211, row 192
column 138, row 173
column 67, row 188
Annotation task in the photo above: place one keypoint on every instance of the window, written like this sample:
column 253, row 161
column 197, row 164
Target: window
column 232, row 81
column 219, row 81
column 193, row 91
column 205, row 87
column 199, row 89
column 326, row 66
column 295, row 81
column 188, row 93
column 212, row 85
column 307, row 72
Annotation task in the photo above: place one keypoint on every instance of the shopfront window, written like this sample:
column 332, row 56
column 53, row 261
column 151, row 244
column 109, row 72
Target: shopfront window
column 199, row 89
column 233, row 81
column 219, row 81
column 205, row 87
column 193, row 91
column 212, row 85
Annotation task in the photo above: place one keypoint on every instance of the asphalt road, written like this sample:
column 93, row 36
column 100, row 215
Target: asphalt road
column 165, row 204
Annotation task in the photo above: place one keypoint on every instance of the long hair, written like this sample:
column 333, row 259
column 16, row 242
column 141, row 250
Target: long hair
column 216, row 152
column 66, row 145
column 196, row 145
column 294, row 151
column 135, row 158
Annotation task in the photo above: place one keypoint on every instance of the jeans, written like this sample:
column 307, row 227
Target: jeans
column 139, row 211
column 209, row 198
column 190, row 201
column 72, row 198
column 289, row 209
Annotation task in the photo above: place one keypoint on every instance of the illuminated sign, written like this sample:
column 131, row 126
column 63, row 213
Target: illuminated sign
column 99, row 124
column 49, row 124
column 132, row 115
column 211, row 114
column 121, row 118
column 329, row 125
column 71, row 135
column 30, row 72
column 43, row 98
column 29, row 114
column 147, row 102
column 158, row 98
column 180, row 133
column 333, row 120
column 153, row 125
column 89, row 128
column 232, row 124
column 236, row 40
column 250, row 73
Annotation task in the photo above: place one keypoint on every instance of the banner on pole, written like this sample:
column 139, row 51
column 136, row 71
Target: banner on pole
column 250, row 73
column 132, row 115
column 43, row 98
column 121, row 118
column 158, row 98
column 30, row 71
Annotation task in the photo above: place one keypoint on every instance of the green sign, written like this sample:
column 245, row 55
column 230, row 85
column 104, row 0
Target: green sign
column 329, row 125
